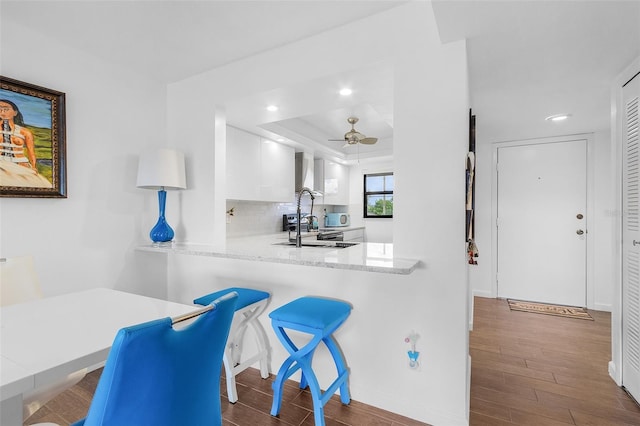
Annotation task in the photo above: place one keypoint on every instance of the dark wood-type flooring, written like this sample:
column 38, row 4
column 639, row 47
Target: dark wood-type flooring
column 252, row 409
column 533, row 369
column 527, row 369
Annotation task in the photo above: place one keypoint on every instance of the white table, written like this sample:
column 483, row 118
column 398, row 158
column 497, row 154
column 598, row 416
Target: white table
column 44, row 340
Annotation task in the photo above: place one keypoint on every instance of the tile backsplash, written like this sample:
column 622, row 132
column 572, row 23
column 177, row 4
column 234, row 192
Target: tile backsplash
column 263, row 218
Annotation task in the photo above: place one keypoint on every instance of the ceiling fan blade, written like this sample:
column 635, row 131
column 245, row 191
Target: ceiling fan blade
column 369, row 141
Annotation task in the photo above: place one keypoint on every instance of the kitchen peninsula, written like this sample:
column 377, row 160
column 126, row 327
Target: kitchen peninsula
column 371, row 257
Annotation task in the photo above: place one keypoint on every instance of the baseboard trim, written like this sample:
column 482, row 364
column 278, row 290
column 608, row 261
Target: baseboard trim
column 613, row 373
column 603, row 307
column 483, row 293
column 468, row 405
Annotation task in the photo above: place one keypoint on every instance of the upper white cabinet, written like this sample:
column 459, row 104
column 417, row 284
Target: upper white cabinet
column 277, row 179
column 244, row 160
column 332, row 179
column 258, row 169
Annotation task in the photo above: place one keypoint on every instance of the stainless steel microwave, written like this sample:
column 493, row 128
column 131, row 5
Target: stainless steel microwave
column 332, row 220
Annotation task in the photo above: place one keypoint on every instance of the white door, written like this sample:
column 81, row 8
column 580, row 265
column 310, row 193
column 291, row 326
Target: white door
column 631, row 241
column 542, row 223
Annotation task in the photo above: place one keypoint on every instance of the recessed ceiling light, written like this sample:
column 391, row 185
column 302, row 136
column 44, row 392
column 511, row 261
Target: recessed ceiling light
column 272, row 108
column 558, row 117
column 280, row 140
column 346, row 91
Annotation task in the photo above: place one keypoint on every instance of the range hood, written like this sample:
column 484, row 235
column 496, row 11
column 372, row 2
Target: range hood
column 304, row 171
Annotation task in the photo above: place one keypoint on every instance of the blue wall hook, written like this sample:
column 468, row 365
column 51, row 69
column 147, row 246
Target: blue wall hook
column 413, row 358
column 413, row 354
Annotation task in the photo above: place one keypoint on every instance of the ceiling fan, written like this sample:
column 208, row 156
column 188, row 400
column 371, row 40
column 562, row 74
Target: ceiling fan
column 353, row 137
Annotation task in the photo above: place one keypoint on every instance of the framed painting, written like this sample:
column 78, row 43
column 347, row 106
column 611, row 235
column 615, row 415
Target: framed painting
column 33, row 144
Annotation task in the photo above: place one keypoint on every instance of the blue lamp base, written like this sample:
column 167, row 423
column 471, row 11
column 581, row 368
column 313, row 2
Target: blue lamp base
column 161, row 232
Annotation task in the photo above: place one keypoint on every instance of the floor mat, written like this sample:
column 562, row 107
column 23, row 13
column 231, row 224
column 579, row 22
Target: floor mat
column 546, row 309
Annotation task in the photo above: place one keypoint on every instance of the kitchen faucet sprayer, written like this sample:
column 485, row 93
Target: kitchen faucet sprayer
column 302, row 191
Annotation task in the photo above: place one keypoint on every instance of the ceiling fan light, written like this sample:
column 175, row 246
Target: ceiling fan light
column 353, row 137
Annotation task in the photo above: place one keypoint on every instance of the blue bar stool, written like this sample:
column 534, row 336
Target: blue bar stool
column 320, row 318
column 251, row 303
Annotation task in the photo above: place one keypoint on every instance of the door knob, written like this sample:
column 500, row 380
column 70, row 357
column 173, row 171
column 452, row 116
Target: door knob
column 579, row 216
column 579, row 232
column 635, row 243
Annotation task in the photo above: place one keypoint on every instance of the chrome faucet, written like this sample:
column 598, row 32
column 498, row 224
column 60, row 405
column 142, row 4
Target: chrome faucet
column 302, row 191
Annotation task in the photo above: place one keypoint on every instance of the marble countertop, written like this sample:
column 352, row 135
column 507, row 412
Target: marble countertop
column 314, row 233
column 371, row 257
column 341, row 228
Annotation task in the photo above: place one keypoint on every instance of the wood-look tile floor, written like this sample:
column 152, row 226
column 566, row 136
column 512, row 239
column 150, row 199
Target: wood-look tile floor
column 252, row 409
column 533, row 369
column 527, row 369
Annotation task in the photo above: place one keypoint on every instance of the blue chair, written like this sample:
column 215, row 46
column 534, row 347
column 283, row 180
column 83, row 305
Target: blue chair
column 159, row 375
column 250, row 305
column 319, row 318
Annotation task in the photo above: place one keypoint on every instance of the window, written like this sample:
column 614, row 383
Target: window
column 378, row 195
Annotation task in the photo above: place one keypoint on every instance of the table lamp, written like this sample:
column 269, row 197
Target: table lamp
column 161, row 169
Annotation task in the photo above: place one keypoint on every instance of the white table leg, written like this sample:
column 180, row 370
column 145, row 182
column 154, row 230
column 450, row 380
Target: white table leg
column 11, row 411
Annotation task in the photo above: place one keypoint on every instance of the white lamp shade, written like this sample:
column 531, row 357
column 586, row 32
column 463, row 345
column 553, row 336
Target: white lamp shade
column 162, row 168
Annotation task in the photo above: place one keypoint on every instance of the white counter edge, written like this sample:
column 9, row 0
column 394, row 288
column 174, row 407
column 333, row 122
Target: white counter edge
column 400, row 266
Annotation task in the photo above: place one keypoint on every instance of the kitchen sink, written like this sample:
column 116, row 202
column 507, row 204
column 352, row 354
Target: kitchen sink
column 340, row 244
column 324, row 244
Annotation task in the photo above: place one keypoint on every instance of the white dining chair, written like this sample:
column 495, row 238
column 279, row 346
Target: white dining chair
column 19, row 283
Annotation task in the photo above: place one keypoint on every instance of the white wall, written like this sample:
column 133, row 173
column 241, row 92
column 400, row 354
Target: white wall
column 430, row 136
column 601, row 226
column 480, row 274
column 86, row 240
column 600, row 197
column 431, row 140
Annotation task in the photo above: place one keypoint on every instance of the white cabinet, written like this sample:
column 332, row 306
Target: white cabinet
column 258, row 169
column 278, row 172
column 356, row 235
column 332, row 179
column 243, row 165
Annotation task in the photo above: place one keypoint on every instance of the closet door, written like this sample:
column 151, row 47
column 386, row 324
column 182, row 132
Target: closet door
column 631, row 239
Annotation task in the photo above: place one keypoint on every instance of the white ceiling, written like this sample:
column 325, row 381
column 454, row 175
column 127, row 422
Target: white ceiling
column 316, row 113
column 532, row 59
column 174, row 39
column 527, row 59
